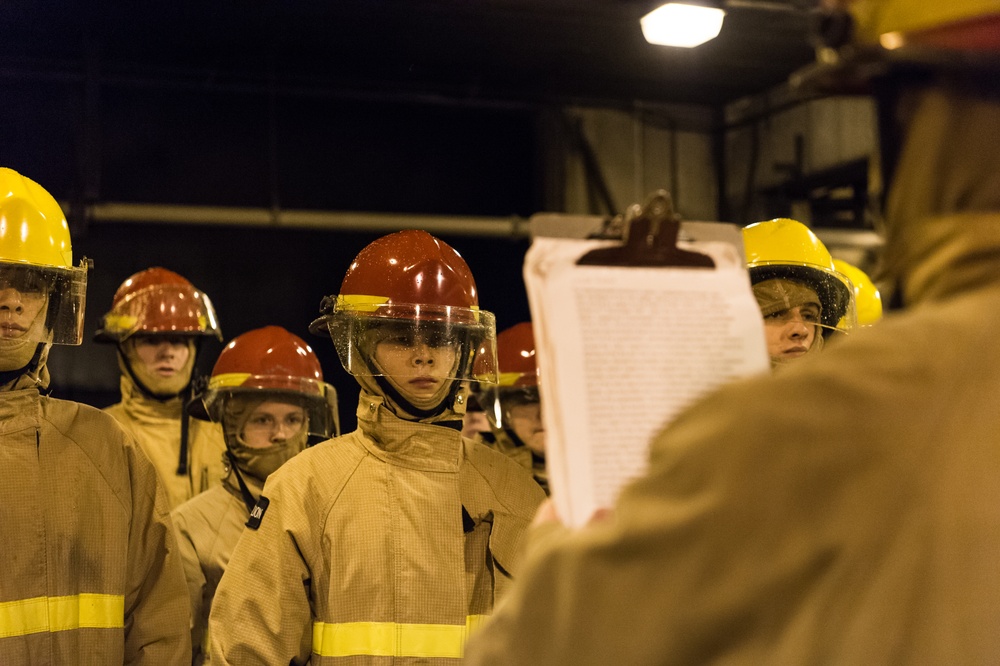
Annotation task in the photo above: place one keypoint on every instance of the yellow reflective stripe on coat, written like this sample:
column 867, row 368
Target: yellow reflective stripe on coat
column 40, row 614
column 391, row 639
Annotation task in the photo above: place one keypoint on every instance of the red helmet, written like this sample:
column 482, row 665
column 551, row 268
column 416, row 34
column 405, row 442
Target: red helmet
column 158, row 302
column 518, row 382
column 413, row 279
column 271, row 363
column 516, row 356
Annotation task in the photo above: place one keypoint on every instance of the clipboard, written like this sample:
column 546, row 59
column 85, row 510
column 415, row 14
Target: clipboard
column 635, row 317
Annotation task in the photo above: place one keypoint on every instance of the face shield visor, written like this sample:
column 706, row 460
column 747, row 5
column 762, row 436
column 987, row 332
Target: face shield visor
column 503, row 403
column 42, row 303
column 783, row 286
column 413, row 343
column 318, row 400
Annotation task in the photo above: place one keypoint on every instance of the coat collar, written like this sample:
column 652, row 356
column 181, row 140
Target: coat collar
column 433, row 446
column 142, row 408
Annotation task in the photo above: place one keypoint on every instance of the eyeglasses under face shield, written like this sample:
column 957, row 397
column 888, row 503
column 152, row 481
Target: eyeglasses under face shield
column 317, row 399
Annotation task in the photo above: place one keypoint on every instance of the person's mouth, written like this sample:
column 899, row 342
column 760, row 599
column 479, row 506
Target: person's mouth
column 796, row 351
column 165, row 371
column 9, row 329
column 423, row 382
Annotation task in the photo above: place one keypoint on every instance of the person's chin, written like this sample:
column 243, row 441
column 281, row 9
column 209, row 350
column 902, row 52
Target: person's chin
column 418, row 397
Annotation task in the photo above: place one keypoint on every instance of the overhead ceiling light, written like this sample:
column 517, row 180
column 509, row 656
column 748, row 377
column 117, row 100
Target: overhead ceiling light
column 677, row 24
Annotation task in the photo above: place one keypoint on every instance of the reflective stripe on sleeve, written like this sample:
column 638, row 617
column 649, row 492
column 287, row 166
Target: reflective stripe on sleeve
column 391, row 639
column 40, row 614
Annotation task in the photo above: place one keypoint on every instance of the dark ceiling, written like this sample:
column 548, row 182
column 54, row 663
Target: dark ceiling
column 478, row 51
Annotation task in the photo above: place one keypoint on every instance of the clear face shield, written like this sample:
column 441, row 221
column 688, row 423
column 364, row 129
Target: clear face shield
column 418, row 347
column 803, row 309
column 159, row 309
column 292, row 406
column 42, row 303
column 780, row 286
column 503, row 404
column 516, row 411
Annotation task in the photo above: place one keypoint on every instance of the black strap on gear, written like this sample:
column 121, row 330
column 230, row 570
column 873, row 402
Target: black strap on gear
column 8, row 376
column 248, row 499
column 182, row 461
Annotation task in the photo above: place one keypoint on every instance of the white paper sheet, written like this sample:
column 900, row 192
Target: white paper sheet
column 621, row 351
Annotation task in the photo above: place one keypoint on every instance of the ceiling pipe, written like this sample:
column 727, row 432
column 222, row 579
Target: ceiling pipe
column 456, row 225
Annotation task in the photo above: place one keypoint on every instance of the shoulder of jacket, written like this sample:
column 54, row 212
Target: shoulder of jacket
column 202, row 517
column 73, row 419
column 207, row 506
column 110, row 448
column 319, row 473
column 512, row 484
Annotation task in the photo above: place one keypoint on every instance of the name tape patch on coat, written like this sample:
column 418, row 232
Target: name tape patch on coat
column 257, row 514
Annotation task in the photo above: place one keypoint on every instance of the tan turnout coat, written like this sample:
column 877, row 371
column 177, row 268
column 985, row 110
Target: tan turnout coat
column 208, row 527
column 157, row 427
column 387, row 545
column 90, row 571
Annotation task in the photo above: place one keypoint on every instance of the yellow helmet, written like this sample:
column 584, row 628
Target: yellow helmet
column 864, row 40
column 36, row 255
column 958, row 24
column 867, row 298
column 787, row 249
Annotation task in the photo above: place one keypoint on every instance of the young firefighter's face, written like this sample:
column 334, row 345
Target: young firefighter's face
column 790, row 333
column 20, row 305
column 272, row 422
column 163, row 355
column 419, row 363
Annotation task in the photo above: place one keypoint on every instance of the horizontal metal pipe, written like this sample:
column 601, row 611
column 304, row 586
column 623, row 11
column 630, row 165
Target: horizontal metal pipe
column 460, row 225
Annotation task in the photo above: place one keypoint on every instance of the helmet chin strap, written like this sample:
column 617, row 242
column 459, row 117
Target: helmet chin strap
column 396, row 398
column 8, row 376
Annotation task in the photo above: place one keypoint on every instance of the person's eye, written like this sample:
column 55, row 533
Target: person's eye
column 400, row 339
column 33, row 285
column 294, row 420
column 261, row 420
column 442, row 339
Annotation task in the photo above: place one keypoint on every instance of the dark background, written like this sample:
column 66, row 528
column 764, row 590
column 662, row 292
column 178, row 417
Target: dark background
column 425, row 107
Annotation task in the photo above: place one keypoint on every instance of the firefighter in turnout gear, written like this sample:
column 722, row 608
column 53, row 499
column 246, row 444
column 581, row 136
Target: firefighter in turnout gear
column 268, row 394
column 393, row 542
column 157, row 321
column 803, row 298
column 513, row 406
column 91, row 573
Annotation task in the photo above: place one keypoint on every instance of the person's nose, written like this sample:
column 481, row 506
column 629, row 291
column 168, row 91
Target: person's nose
column 797, row 328
column 422, row 353
column 165, row 350
column 281, row 432
column 10, row 299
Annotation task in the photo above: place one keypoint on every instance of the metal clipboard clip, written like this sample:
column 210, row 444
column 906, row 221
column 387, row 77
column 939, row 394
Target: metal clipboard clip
column 649, row 235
